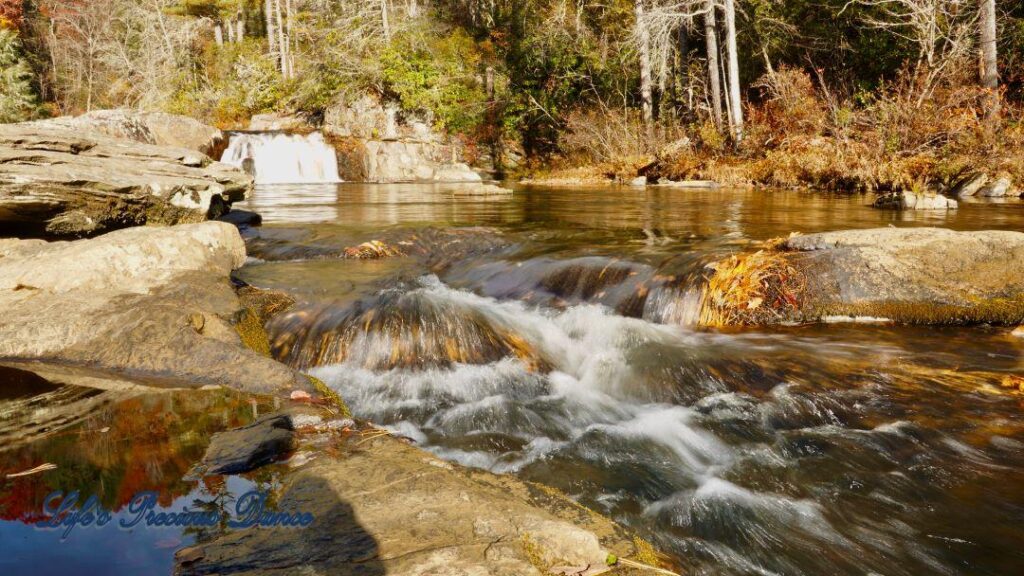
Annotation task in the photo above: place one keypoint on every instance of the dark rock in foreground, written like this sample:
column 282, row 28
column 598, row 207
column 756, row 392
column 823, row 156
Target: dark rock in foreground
column 249, row 447
column 905, row 275
column 65, row 182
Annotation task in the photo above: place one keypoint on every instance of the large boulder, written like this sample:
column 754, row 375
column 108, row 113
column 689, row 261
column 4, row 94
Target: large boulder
column 157, row 128
column 153, row 301
column 907, row 275
column 64, row 182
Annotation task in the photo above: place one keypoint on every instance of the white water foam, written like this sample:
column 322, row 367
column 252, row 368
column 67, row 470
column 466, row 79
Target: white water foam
column 591, row 390
column 278, row 158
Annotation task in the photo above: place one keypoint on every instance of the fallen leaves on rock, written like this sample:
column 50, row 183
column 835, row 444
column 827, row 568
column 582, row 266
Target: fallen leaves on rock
column 372, row 250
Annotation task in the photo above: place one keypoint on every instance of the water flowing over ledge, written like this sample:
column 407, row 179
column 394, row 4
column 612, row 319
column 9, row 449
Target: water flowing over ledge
column 280, row 158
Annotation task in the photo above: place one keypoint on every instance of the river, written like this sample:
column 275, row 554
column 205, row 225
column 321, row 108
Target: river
column 551, row 334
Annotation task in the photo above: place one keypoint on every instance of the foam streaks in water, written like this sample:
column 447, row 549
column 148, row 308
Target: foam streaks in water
column 794, row 471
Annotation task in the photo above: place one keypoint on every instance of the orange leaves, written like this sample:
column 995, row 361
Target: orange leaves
column 372, row 250
column 753, row 288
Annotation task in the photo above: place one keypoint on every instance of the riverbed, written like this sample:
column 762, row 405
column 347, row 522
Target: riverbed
column 551, row 334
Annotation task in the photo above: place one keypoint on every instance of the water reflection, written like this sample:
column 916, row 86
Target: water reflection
column 111, row 444
column 753, row 214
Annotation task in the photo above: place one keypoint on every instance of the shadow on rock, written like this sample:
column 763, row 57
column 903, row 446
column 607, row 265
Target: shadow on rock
column 336, row 543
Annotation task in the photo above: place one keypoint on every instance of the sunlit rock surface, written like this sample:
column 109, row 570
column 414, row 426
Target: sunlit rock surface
column 907, row 275
column 157, row 128
column 151, row 300
column 69, row 182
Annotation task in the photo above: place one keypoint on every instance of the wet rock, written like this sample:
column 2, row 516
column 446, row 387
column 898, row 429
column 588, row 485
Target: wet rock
column 639, row 181
column 1018, row 332
column 481, row 190
column 907, row 200
column 242, row 218
column 908, row 275
column 263, row 302
column 415, row 330
column 129, row 300
column 239, row 450
column 157, row 128
column 431, row 518
column 56, row 181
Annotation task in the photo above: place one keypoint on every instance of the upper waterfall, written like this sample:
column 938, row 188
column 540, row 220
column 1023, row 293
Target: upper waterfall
column 279, row 158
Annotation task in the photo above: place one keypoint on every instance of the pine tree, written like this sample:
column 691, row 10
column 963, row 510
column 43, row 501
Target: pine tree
column 17, row 96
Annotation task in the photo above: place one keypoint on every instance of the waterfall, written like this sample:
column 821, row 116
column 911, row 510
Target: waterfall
column 279, row 158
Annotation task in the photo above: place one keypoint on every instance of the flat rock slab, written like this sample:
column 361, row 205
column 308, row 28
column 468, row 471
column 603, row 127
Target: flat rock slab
column 389, row 508
column 65, row 182
column 153, row 301
column 157, row 128
column 905, row 275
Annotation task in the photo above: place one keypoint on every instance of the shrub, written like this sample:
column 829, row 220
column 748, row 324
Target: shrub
column 793, row 106
column 437, row 75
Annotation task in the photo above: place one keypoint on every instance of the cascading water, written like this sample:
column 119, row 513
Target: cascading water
column 279, row 158
column 551, row 341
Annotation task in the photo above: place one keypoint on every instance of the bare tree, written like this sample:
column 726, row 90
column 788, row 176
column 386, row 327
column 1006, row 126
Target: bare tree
column 941, row 29
column 989, row 61
column 272, row 45
column 711, row 37
column 735, row 109
column 644, row 41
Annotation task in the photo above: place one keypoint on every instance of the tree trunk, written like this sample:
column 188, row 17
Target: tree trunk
column 218, row 35
column 288, row 38
column 282, row 44
column 712, row 48
column 240, row 32
column 384, row 19
column 646, row 101
column 989, row 70
column 268, row 15
column 736, row 120
column 231, row 31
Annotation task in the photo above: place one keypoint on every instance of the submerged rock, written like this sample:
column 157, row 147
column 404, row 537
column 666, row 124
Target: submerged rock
column 907, row 275
column 416, row 329
column 57, row 181
column 154, row 301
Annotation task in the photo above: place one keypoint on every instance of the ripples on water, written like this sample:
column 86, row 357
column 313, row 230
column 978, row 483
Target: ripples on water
column 563, row 354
